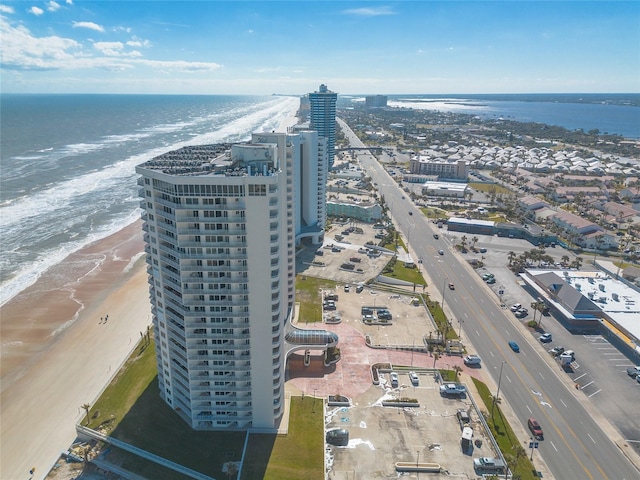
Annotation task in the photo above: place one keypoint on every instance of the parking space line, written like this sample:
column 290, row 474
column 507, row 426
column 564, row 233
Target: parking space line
column 578, row 378
column 585, row 386
column 595, row 393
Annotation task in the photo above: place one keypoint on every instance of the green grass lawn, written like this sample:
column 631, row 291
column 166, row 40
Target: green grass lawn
column 508, row 442
column 308, row 295
column 489, row 187
column 297, row 455
column 132, row 411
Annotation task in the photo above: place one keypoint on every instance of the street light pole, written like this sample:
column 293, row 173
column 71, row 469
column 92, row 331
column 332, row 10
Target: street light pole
column 499, row 380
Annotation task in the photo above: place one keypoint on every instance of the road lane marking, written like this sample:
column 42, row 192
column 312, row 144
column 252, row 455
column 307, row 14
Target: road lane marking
column 541, row 376
column 507, row 377
column 554, row 447
column 591, row 438
column 529, row 409
column 565, row 405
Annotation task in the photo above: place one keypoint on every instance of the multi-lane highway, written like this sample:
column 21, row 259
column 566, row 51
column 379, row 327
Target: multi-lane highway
column 575, row 446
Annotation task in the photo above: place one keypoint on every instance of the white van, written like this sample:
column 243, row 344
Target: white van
column 472, row 360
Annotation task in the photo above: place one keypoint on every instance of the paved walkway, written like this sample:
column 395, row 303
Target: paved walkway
column 351, row 376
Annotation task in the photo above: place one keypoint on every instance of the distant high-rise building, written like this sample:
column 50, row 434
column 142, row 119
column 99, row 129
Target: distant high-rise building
column 375, row 101
column 323, row 117
column 220, row 224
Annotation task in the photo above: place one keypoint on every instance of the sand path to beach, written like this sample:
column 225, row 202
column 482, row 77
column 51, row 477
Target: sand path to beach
column 47, row 376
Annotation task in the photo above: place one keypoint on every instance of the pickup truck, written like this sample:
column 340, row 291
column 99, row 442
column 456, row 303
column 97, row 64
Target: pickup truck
column 452, row 389
column 488, row 465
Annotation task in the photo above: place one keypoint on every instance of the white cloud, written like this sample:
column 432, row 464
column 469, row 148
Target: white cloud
column 69, row 2
column 369, row 11
column 180, row 65
column 36, row 11
column 137, row 42
column 112, row 49
column 6, row 9
column 53, row 6
column 22, row 51
column 89, row 25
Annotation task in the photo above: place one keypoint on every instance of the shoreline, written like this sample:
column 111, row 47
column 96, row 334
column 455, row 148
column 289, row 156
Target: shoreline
column 58, row 352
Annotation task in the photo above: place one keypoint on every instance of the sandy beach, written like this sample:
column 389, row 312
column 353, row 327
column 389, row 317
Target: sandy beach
column 59, row 349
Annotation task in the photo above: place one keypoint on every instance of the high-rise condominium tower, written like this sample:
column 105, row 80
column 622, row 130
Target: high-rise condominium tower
column 322, row 117
column 219, row 227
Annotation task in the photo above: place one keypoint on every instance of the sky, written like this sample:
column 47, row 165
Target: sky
column 355, row 47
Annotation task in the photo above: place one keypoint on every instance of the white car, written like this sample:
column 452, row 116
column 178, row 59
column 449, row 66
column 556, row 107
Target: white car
column 516, row 307
column 394, row 379
column 472, row 360
column 413, row 376
column 545, row 337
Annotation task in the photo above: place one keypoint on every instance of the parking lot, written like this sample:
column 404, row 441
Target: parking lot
column 380, row 436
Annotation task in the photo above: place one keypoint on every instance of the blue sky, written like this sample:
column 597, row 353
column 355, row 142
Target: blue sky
column 361, row 47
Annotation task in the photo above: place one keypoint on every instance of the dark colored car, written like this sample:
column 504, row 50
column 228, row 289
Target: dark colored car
column 514, row 346
column 535, row 428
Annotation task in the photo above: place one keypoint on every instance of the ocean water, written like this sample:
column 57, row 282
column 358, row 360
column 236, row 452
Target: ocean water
column 617, row 114
column 68, row 164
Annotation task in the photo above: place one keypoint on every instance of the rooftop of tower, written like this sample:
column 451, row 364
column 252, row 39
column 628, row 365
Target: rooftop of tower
column 215, row 159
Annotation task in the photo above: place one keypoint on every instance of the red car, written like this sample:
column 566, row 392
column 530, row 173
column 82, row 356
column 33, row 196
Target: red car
column 535, row 428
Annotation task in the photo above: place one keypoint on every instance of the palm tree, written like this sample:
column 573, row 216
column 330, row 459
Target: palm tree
column 474, row 240
column 86, row 408
column 463, row 242
column 511, row 257
column 565, row 259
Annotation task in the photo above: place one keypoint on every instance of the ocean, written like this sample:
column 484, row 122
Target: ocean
column 68, row 161
column 68, row 164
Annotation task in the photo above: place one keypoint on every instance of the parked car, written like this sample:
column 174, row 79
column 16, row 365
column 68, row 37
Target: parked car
column 545, row 337
column 413, row 376
column 394, row 379
column 535, row 428
column 346, row 288
column 483, row 250
column 521, row 313
column 514, row 346
column 489, row 465
column 633, row 372
column 516, row 307
column 491, row 281
column 472, row 360
column 452, row 389
column 463, row 417
column 556, row 351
